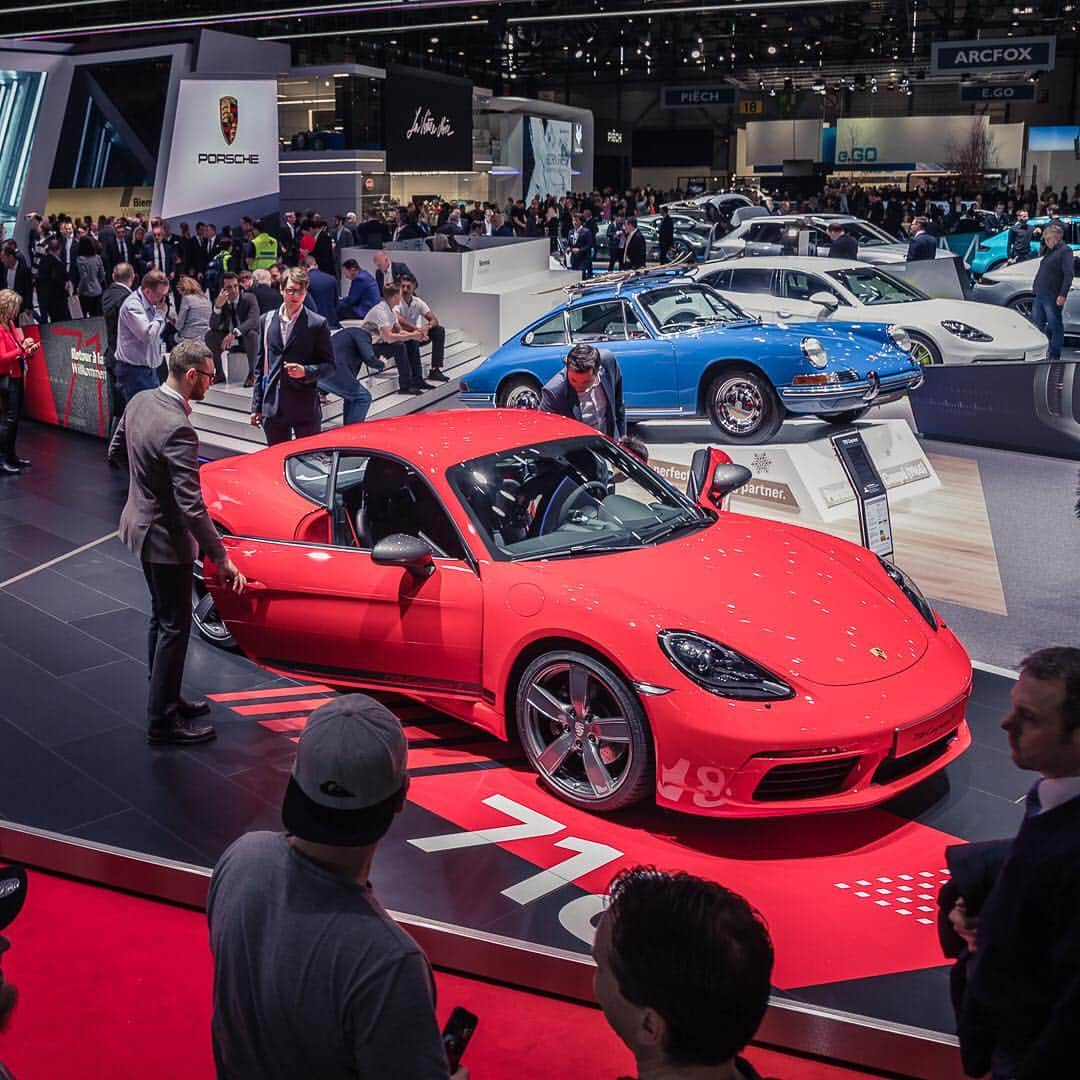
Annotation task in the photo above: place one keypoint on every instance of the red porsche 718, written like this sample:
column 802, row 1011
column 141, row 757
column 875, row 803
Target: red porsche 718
column 524, row 574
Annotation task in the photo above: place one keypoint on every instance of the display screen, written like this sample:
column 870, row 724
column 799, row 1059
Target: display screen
column 547, row 148
column 66, row 380
column 428, row 122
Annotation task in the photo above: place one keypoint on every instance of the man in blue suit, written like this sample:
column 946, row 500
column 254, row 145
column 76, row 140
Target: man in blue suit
column 589, row 389
column 921, row 245
column 363, row 292
column 294, row 353
column 352, row 348
column 322, row 294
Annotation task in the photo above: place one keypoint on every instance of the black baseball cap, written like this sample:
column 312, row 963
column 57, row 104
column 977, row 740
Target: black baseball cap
column 12, row 893
column 349, row 773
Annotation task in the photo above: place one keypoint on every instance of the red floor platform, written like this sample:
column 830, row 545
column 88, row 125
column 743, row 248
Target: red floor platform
column 113, row 985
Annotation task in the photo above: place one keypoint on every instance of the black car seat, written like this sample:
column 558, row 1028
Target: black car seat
column 387, row 502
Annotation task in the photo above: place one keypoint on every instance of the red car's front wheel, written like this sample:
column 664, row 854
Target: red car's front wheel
column 584, row 731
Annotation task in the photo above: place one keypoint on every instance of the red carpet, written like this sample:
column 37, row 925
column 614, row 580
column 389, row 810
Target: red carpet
column 113, row 986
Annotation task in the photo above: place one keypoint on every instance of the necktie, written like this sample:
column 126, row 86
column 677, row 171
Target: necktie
column 160, row 258
column 1032, row 805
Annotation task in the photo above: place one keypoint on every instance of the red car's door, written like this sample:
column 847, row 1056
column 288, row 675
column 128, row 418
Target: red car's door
column 332, row 612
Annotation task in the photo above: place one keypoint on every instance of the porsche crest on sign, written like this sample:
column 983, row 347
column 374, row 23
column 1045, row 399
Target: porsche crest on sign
column 230, row 118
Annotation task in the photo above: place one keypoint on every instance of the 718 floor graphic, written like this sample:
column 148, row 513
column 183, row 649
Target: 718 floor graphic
column 576, row 916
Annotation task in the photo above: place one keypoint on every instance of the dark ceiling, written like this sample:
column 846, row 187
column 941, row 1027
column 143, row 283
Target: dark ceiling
column 525, row 46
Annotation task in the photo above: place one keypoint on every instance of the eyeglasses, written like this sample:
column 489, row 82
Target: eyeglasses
column 294, row 290
column 204, row 374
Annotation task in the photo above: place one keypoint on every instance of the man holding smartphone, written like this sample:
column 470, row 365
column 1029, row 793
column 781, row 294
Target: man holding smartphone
column 311, row 975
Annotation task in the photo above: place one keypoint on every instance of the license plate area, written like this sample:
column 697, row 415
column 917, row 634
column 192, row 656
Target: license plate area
column 923, row 732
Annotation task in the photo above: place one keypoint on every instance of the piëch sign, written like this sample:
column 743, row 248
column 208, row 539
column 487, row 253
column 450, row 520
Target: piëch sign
column 1024, row 91
column 696, row 97
column 993, row 54
column 428, row 120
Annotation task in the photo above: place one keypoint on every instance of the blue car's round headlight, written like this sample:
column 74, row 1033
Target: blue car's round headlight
column 719, row 669
column 815, row 352
column 900, row 338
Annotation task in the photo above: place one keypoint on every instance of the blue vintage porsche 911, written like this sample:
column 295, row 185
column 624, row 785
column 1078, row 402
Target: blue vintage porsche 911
column 686, row 351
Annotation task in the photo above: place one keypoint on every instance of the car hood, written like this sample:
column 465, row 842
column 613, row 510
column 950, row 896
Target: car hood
column 1006, row 327
column 798, row 604
column 835, row 332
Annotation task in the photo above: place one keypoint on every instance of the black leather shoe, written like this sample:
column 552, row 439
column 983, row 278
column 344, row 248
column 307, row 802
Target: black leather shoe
column 407, row 390
column 179, row 732
column 249, row 382
column 438, row 376
column 23, row 462
column 192, row 710
column 422, row 385
column 13, row 470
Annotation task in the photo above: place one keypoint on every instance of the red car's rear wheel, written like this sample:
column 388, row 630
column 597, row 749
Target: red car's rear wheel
column 584, row 731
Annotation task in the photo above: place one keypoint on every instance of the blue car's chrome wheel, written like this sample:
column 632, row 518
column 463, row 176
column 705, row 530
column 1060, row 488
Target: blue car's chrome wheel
column 520, row 393
column 744, row 407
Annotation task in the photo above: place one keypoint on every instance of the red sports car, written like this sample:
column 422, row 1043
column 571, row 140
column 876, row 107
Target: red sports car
column 522, row 573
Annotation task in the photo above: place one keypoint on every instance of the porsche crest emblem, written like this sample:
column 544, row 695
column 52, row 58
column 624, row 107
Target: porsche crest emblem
column 881, row 654
column 230, row 118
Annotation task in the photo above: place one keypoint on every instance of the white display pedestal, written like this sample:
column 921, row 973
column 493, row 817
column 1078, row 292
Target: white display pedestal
column 800, row 474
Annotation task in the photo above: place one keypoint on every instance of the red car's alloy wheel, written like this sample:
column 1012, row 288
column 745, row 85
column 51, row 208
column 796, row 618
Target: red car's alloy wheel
column 584, row 731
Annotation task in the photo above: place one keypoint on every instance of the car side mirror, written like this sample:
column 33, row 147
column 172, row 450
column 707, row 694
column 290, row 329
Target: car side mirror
column 825, row 300
column 727, row 478
column 409, row 552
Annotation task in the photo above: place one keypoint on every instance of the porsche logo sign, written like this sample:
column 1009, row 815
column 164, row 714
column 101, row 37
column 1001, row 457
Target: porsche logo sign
column 230, row 118
column 881, row 654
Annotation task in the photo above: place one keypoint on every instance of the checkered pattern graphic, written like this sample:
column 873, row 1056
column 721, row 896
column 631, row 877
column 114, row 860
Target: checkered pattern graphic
column 912, row 896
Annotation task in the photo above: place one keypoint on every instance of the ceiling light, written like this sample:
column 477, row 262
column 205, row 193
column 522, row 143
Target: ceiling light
column 771, row 50
column 578, row 54
column 695, row 53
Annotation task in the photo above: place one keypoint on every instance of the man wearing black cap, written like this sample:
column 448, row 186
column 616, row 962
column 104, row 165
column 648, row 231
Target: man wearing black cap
column 311, row 976
column 12, row 895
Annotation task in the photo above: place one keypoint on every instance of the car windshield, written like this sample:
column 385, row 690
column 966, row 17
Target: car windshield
column 868, row 235
column 870, row 286
column 570, row 497
column 680, row 307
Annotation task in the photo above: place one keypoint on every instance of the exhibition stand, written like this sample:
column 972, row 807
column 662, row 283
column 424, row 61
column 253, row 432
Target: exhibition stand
column 491, row 290
column 1033, row 407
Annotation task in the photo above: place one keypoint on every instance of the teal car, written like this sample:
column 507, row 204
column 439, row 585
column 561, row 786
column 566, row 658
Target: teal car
column 994, row 250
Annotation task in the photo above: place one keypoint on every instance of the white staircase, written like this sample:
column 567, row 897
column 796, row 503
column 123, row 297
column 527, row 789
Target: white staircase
column 223, row 417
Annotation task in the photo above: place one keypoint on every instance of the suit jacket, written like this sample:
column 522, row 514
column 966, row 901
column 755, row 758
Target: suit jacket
column 322, row 295
column 667, row 232
column 633, row 257
column 52, row 297
column 923, row 246
column 845, row 247
column 398, row 270
column 24, row 284
column 362, row 297
column 583, row 239
column 268, row 298
column 168, row 253
column 165, row 519
column 323, row 251
column 112, row 300
column 247, row 315
column 111, row 253
column 276, row 394
column 558, row 396
column 71, row 267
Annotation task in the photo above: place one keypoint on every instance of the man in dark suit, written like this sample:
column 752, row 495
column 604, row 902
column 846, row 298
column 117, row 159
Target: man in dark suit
column 352, row 348
column 580, row 244
column 323, row 251
column 589, row 389
column 166, row 524
column 342, row 237
column 667, row 235
column 289, row 238
column 363, row 292
column 269, row 298
column 390, row 273
column 234, row 325
column 322, row 294
column 922, row 245
column 841, row 244
column 159, row 254
column 52, row 284
column 15, row 275
column 294, row 353
column 1019, row 1006
column 633, row 257
column 69, row 250
column 123, row 285
column 116, row 248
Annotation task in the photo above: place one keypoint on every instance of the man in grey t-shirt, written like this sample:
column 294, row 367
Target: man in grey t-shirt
column 311, row 976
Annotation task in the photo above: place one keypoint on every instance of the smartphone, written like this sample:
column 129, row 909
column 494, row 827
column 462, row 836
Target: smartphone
column 456, row 1035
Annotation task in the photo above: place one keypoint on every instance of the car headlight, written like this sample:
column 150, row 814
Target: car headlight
column 900, row 338
column 962, row 330
column 719, row 669
column 814, row 351
column 911, row 591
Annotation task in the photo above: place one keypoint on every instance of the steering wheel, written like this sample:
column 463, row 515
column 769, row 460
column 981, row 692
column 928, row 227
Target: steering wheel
column 680, row 317
column 570, row 506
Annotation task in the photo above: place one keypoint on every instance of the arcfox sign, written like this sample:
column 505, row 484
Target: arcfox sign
column 993, row 54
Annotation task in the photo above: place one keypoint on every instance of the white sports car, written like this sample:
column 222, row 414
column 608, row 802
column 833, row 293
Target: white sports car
column 809, row 289
column 1013, row 287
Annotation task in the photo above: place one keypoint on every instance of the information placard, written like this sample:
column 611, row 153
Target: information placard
column 871, row 496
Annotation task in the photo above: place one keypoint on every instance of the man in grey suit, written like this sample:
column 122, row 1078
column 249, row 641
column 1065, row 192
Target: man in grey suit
column 165, row 522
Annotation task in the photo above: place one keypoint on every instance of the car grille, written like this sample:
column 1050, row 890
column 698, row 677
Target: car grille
column 805, row 779
column 894, row 768
column 848, row 376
